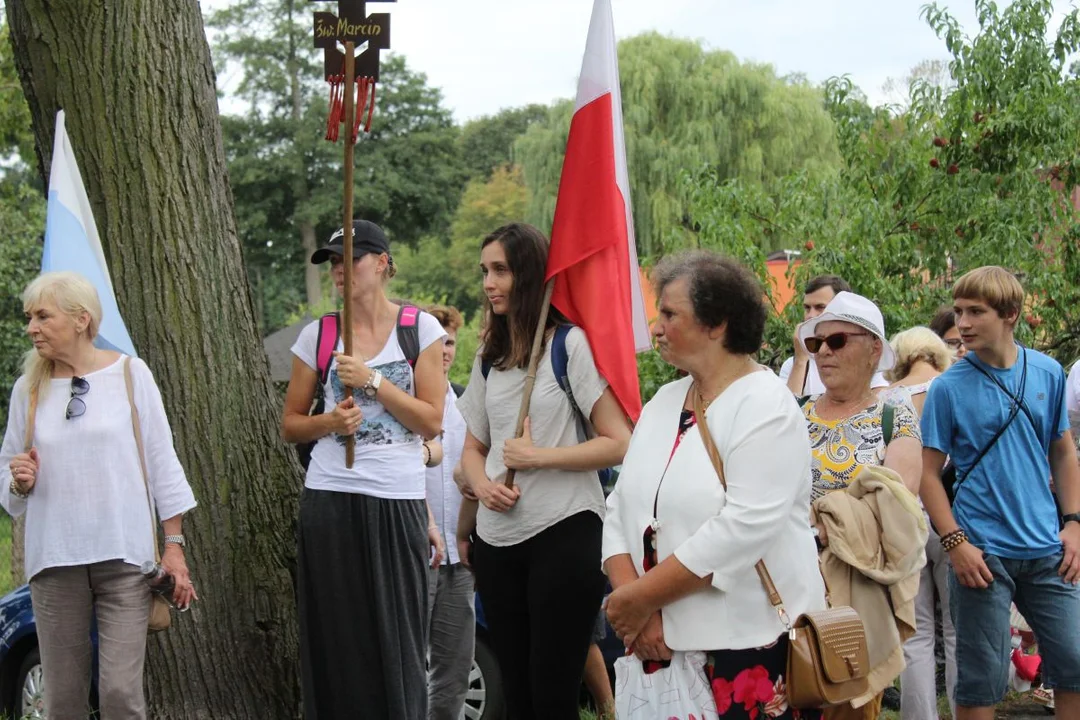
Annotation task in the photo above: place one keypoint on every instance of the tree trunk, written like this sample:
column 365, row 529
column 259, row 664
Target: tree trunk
column 136, row 80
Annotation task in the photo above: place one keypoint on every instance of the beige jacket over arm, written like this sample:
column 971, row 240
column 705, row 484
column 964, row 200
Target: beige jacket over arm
column 877, row 546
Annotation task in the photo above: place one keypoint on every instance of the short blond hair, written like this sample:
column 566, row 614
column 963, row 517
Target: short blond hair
column 447, row 315
column 72, row 294
column 993, row 285
column 913, row 345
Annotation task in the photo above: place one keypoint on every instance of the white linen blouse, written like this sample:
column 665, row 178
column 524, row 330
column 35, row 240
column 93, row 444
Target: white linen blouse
column 765, row 513
column 89, row 502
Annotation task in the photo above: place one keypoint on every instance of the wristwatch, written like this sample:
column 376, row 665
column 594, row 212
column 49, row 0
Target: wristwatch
column 175, row 540
column 1071, row 517
column 371, row 387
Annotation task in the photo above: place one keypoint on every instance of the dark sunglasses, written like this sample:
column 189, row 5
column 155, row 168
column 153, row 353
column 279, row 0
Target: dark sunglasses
column 76, row 406
column 834, row 341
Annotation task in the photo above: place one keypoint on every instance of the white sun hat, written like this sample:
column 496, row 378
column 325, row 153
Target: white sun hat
column 857, row 310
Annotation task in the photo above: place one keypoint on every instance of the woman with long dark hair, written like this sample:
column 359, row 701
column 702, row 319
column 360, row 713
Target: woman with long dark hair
column 537, row 552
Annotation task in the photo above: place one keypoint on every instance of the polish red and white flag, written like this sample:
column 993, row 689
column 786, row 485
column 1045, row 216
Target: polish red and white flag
column 593, row 255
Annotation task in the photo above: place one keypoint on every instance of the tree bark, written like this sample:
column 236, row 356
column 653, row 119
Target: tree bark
column 137, row 83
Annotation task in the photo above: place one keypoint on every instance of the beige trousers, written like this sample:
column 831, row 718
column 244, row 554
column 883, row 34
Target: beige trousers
column 65, row 599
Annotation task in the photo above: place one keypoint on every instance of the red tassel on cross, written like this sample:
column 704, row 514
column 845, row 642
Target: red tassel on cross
column 371, row 108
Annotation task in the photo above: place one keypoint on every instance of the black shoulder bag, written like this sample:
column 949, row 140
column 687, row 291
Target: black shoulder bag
column 950, row 477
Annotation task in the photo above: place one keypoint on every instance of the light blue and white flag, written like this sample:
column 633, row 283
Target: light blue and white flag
column 72, row 242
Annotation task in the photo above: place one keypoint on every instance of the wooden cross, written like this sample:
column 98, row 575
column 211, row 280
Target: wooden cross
column 351, row 27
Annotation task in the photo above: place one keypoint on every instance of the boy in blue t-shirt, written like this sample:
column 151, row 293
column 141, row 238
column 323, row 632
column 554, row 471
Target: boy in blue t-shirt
column 999, row 414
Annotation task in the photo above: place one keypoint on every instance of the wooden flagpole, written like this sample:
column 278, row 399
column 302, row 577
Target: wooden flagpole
column 530, row 375
column 347, row 249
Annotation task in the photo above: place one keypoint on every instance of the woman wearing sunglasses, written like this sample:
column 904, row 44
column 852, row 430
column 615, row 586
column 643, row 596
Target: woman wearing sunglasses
column 70, row 461
column 847, row 421
column 679, row 546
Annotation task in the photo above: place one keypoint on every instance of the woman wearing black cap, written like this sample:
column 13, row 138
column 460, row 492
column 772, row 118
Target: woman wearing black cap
column 363, row 538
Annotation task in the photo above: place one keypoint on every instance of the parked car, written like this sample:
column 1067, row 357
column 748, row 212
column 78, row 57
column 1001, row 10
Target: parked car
column 20, row 664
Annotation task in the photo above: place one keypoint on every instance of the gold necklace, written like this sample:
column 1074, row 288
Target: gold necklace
column 727, row 380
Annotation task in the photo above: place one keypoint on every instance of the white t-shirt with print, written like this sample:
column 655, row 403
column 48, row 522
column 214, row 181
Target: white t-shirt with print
column 490, row 408
column 388, row 461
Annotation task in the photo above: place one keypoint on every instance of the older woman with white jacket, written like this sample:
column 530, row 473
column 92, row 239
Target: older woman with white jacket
column 84, row 426
column 679, row 548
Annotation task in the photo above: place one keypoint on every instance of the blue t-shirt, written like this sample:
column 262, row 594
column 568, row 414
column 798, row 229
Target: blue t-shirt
column 1005, row 505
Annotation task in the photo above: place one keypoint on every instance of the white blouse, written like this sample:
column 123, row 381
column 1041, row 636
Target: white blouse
column 89, row 502
column 762, row 439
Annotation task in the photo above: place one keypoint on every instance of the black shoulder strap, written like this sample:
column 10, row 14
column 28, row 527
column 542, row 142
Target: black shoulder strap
column 459, row 390
column 1016, row 400
column 888, row 418
column 1013, row 412
column 408, row 332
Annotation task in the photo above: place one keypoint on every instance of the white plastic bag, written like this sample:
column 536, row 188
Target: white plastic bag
column 677, row 692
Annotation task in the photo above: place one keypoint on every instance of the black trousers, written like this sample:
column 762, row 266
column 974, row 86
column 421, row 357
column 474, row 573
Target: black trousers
column 540, row 599
column 363, row 606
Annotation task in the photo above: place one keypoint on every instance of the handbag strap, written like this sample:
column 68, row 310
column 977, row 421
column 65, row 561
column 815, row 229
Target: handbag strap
column 142, row 453
column 718, row 465
column 31, row 418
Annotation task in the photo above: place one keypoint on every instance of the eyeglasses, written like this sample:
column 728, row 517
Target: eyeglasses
column 76, row 406
column 955, row 343
column 834, row 341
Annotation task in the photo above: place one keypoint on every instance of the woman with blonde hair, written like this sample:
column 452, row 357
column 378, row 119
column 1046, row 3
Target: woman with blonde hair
column 921, row 356
column 71, row 462
column 364, row 531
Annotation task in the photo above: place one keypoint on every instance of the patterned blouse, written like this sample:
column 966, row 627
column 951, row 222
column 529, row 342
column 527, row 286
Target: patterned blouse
column 840, row 447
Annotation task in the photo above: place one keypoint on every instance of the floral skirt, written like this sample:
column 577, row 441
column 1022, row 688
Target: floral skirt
column 751, row 683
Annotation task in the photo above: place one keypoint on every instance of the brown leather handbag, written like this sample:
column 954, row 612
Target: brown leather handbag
column 828, row 662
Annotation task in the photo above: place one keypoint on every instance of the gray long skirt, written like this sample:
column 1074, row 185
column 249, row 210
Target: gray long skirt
column 363, row 603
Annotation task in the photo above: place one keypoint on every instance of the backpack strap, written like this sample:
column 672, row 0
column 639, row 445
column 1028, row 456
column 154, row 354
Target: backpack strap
column 326, row 344
column 888, row 419
column 560, row 362
column 408, row 332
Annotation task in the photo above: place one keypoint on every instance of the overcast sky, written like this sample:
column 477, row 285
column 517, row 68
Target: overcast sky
column 489, row 54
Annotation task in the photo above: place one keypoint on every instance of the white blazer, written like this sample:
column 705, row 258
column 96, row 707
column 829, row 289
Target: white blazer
column 762, row 438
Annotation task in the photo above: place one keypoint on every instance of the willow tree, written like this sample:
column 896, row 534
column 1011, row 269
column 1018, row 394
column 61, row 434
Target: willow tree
column 685, row 107
column 137, row 85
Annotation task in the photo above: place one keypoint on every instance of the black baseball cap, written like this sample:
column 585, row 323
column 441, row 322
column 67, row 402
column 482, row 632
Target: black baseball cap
column 367, row 238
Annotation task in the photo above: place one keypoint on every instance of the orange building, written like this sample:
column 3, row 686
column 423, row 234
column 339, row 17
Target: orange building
column 783, row 287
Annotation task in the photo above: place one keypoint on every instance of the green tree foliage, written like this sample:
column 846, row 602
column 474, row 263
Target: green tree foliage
column 978, row 176
column 22, row 217
column 449, row 271
column 488, row 142
column 685, row 107
column 287, row 180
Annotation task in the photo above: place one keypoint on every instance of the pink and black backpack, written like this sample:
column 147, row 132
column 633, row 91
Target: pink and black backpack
column 408, row 336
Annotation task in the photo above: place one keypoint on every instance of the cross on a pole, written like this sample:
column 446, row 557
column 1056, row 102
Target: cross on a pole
column 349, row 73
